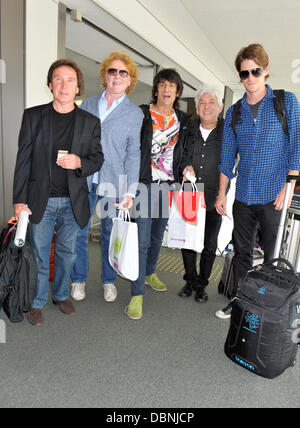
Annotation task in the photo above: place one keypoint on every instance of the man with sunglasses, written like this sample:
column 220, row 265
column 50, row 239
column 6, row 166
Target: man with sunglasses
column 266, row 156
column 116, row 182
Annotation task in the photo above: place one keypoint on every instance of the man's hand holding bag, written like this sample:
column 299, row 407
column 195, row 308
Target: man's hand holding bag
column 187, row 218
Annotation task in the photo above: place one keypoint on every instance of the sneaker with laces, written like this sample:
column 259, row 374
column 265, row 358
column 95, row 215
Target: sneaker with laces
column 225, row 313
column 110, row 292
column 77, row 290
column 135, row 308
column 155, row 283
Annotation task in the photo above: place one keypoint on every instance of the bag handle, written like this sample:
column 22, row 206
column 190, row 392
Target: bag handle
column 194, row 187
column 13, row 221
column 293, row 177
column 281, row 260
column 124, row 215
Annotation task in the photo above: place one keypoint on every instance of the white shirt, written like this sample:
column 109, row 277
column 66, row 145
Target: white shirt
column 205, row 132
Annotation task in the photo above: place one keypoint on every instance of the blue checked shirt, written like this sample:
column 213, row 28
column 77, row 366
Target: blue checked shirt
column 266, row 153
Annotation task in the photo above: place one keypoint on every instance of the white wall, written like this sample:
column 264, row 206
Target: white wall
column 154, row 22
column 11, row 98
column 238, row 94
column 41, row 48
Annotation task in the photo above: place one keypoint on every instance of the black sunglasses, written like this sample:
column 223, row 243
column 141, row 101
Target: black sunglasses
column 256, row 72
column 115, row 71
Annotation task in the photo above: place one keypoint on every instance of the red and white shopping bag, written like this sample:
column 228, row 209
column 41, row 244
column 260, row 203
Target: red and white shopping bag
column 186, row 225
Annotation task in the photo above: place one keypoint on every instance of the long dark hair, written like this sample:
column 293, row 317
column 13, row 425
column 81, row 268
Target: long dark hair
column 171, row 76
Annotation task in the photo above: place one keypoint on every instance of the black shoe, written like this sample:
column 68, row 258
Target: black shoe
column 225, row 313
column 187, row 290
column 200, row 295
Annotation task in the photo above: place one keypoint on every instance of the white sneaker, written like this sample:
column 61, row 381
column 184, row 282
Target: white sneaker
column 110, row 292
column 225, row 313
column 77, row 290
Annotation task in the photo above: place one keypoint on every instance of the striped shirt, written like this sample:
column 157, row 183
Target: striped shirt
column 266, row 153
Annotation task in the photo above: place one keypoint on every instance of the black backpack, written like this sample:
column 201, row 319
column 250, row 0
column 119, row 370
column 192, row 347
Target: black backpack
column 279, row 107
column 264, row 327
column 18, row 276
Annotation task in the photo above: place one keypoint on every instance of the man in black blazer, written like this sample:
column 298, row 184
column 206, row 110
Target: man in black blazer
column 59, row 146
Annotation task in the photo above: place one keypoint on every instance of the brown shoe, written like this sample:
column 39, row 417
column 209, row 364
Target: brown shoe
column 65, row 306
column 35, row 316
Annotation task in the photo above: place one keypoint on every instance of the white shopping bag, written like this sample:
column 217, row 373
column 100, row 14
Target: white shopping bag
column 186, row 225
column 123, row 247
column 225, row 233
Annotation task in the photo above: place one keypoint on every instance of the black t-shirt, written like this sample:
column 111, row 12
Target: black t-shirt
column 62, row 135
column 254, row 108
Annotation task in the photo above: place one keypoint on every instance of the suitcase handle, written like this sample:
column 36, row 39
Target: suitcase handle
column 289, row 180
column 292, row 177
column 281, row 260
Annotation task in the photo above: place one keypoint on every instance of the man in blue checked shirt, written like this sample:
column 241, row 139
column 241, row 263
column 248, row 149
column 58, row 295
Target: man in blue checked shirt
column 266, row 156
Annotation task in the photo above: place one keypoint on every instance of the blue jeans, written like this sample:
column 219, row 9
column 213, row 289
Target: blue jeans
column 150, row 236
column 108, row 274
column 80, row 269
column 58, row 212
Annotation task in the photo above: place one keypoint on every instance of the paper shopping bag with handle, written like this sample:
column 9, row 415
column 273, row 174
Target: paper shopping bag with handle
column 123, row 247
column 187, row 218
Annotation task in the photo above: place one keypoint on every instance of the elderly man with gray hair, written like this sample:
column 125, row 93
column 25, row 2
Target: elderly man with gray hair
column 206, row 159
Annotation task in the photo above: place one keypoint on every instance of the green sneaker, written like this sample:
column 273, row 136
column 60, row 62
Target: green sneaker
column 135, row 308
column 155, row 283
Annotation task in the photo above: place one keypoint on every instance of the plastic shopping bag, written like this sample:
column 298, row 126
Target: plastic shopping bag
column 186, row 225
column 123, row 247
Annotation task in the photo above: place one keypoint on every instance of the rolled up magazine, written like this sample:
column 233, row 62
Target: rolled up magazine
column 21, row 229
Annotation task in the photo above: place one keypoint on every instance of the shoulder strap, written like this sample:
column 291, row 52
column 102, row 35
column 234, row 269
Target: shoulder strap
column 236, row 116
column 279, row 107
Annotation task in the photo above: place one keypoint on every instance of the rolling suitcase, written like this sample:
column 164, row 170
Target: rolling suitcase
column 225, row 285
column 264, row 329
column 288, row 247
column 226, row 282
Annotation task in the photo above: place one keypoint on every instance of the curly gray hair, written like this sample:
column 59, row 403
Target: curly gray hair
column 215, row 92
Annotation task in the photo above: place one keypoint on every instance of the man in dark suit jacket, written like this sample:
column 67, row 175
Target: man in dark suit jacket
column 59, row 146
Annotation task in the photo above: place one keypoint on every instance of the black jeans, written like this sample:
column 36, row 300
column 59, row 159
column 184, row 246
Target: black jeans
column 212, row 227
column 246, row 220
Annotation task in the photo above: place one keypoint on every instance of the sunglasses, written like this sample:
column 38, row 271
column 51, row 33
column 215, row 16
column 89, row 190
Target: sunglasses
column 256, row 72
column 115, row 71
